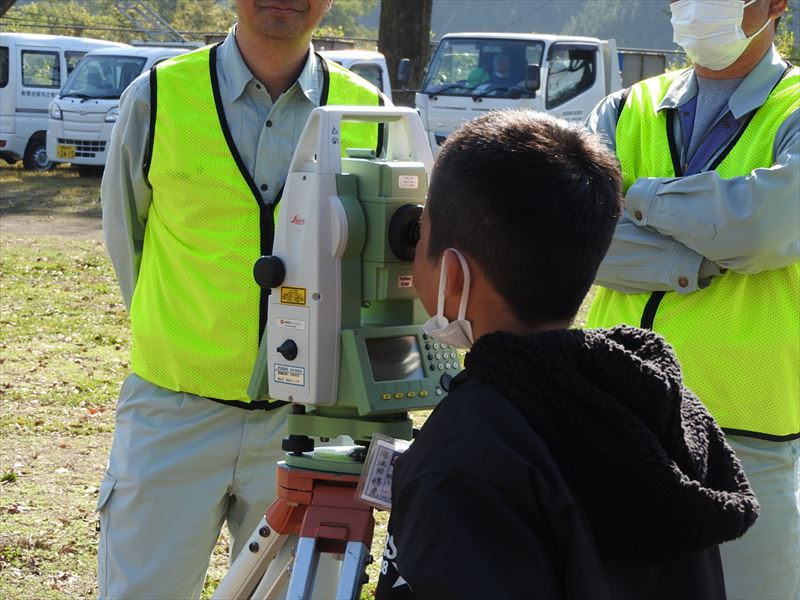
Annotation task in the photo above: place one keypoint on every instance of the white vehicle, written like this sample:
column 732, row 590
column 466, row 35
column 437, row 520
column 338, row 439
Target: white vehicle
column 366, row 63
column 33, row 67
column 84, row 112
column 472, row 73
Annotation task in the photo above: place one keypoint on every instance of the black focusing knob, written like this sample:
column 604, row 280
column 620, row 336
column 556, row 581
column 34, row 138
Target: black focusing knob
column 269, row 271
column 403, row 233
column 288, row 350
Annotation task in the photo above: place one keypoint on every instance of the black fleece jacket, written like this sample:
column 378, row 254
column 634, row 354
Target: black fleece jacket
column 565, row 464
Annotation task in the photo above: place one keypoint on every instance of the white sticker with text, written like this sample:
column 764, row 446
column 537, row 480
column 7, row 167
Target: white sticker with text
column 290, row 323
column 408, row 182
column 289, row 375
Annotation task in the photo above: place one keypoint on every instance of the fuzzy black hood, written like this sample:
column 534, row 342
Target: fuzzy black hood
column 648, row 462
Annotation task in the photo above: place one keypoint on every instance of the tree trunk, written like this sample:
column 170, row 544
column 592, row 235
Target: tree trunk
column 5, row 5
column 405, row 27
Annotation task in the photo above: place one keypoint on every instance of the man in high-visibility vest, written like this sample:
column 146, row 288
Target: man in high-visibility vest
column 707, row 253
column 197, row 163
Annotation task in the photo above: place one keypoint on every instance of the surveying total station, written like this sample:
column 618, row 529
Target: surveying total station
column 343, row 342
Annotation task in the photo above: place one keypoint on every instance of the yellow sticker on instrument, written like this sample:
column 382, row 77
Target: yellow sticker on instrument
column 293, row 295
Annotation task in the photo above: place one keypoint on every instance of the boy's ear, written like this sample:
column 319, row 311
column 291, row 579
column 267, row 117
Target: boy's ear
column 454, row 284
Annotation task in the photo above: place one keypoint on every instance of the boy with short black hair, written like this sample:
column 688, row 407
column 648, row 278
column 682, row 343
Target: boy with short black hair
column 563, row 463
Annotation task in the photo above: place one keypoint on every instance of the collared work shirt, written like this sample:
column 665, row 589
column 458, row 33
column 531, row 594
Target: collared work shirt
column 265, row 133
column 756, row 217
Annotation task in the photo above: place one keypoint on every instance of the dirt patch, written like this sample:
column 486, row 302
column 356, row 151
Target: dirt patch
column 57, row 203
column 52, row 225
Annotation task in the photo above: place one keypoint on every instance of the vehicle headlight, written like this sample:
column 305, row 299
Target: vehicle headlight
column 112, row 115
column 54, row 111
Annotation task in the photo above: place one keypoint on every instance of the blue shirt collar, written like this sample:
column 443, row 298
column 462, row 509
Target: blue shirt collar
column 750, row 94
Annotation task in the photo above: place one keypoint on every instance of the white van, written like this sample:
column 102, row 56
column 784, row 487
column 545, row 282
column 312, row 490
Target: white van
column 369, row 65
column 84, row 112
column 33, row 67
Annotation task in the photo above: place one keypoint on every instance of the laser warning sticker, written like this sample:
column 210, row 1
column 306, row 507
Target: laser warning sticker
column 289, row 375
column 375, row 485
column 293, row 295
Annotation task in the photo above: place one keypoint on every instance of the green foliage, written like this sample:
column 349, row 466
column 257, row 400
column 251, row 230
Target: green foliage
column 101, row 19
column 342, row 19
column 207, row 16
column 94, row 18
column 8, row 477
column 785, row 39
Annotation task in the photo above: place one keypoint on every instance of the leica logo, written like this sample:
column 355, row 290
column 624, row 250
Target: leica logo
column 297, row 220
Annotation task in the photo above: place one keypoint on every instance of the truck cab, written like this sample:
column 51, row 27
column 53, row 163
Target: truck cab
column 472, row 73
column 85, row 110
column 366, row 63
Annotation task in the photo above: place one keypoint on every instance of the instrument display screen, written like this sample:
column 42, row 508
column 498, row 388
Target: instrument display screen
column 395, row 358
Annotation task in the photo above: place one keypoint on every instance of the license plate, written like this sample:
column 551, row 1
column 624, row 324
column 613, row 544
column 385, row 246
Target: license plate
column 63, row 151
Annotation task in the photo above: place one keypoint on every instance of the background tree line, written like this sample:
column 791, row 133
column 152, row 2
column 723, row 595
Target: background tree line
column 193, row 18
column 401, row 28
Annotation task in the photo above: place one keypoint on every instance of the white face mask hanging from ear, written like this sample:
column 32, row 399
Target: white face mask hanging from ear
column 711, row 31
column 457, row 333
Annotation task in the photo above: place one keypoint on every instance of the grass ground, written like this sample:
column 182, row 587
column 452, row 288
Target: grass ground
column 63, row 353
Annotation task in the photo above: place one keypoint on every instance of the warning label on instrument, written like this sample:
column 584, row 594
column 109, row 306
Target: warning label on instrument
column 293, row 295
column 289, row 375
column 405, row 281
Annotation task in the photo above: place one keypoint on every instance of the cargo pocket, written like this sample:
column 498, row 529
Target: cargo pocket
column 103, row 510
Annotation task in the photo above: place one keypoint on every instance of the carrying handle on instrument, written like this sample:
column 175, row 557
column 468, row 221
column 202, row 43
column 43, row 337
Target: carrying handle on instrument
column 319, row 148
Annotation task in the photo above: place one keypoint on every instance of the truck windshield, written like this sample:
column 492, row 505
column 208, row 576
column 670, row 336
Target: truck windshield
column 102, row 76
column 492, row 68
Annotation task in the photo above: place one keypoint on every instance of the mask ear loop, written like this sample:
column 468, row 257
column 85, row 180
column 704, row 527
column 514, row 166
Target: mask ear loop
column 462, row 307
column 763, row 27
column 442, row 282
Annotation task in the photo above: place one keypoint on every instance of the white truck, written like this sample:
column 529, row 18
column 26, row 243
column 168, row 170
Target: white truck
column 472, row 73
column 33, row 67
column 84, row 112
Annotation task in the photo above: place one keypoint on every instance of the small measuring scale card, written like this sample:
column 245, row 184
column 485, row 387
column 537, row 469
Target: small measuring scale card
column 375, row 485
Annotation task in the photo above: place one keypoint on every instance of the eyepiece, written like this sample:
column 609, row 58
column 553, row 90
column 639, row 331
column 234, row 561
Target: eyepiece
column 403, row 231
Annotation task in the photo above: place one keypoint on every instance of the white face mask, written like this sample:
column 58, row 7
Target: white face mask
column 711, row 31
column 457, row 333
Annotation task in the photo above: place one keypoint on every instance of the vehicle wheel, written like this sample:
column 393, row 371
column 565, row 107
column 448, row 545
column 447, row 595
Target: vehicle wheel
column 90, row 170
column 35, row 158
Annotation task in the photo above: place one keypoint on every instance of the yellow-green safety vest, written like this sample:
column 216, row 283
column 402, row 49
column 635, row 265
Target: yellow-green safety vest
column 197, row 314
column 738, row 340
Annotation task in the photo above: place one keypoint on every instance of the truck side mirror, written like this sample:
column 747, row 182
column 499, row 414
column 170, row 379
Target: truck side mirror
column 533, row 79
column 403, row 72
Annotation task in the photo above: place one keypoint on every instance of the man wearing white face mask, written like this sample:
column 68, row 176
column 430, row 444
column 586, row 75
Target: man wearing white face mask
column 707, row 253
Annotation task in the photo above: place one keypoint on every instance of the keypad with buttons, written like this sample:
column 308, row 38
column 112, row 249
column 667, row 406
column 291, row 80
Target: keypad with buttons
column 439, row 361
column 440, row 356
